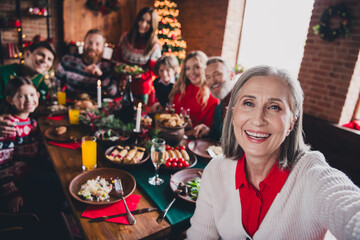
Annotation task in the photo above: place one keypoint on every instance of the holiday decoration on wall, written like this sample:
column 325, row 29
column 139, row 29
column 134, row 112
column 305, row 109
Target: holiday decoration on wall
column 103, row 6
column 169, row 32
column 324, row 28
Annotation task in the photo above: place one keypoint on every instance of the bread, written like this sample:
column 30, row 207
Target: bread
column 60, row 130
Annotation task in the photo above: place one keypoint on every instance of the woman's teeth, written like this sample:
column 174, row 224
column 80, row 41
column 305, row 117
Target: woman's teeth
column 257, row 135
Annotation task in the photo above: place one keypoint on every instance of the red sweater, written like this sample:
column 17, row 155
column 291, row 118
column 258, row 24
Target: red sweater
column 198, row 114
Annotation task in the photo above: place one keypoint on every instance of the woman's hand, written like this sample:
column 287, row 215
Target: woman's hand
column 6, row 126
column 15, row 204
column 201, row 130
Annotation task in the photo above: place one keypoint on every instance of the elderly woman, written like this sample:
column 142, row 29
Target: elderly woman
column 268, row 184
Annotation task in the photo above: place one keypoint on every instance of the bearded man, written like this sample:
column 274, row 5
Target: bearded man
column 79, row 73
column 220, row 78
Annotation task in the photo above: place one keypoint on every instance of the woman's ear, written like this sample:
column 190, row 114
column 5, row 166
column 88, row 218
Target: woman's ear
column 38, row 94
column 292, row 124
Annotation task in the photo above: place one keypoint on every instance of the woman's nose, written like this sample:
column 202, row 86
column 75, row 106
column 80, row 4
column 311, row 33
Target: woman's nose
column 259, row 116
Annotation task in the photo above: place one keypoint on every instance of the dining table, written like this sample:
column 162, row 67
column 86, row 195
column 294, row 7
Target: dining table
column 68, row 164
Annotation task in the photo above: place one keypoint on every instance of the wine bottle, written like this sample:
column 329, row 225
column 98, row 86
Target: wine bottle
column 127, row 110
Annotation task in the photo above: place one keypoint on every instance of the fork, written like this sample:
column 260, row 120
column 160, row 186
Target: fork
column 120, row 191
column 179, row 190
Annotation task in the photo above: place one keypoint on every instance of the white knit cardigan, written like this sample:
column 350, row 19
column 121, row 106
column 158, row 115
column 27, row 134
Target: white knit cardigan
column 314, row 198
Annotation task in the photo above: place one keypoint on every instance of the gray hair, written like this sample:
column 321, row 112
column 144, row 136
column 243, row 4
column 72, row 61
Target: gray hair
column 216, row 59
column 293, row 146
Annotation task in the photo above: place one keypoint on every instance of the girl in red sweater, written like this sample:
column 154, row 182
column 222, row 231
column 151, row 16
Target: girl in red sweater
column 191, row 92
column 18, row 149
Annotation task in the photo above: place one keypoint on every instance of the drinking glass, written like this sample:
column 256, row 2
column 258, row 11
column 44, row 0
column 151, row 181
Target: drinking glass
column 157, row 157
column 88, row 148
column 74, row 114
column 61, row 96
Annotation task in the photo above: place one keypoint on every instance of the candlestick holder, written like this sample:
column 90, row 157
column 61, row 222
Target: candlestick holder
column 136, row 137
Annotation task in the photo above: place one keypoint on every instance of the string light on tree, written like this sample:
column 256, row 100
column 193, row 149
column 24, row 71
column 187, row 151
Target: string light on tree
column 169, row 32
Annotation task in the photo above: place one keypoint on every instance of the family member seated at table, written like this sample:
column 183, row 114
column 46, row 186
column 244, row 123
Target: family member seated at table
column 190, row 90
column 220, row 78
column 140, row 47
column 166, row 68
column 268, row 184
column 17, row 150
column 79, row 73
column 38, row 58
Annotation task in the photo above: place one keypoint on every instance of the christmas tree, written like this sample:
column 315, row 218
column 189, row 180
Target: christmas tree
column 169, row 32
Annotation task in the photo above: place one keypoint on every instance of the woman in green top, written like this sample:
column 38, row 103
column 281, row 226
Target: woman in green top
column 38, row 58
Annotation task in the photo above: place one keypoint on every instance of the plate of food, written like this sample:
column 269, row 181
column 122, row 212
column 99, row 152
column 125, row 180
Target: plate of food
column 202, row 147
column 53, row 110
column 129, row 69
column 126, row 155
column 65, row 133
column 191, row 178
column 96, row 187
column 111, row 135
column 177, row 158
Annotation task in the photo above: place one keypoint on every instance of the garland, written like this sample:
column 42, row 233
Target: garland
column 103, row 6
column 326, row 32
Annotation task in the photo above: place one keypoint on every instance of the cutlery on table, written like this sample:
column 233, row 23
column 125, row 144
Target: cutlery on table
column 119, row 190
column 180, row 189
column 144, row 210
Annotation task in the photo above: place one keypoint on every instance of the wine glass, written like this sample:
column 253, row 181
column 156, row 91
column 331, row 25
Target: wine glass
column 157, row 157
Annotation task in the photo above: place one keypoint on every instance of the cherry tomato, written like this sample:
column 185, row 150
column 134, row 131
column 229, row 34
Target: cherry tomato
column 167, row 148
column 174, row 164
column 176, row 148
column 175, row 160
column 168, row 160
column 180, row 165
column 181, row 160
column 168, row 164
column 182, row 147
column 186, row 164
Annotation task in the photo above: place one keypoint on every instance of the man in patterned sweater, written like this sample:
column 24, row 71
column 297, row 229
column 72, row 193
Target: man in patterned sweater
column 79, row 73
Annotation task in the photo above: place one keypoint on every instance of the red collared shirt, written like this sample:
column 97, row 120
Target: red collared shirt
column 255, row 203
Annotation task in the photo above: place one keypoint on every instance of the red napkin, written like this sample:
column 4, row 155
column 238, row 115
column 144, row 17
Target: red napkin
column 93, row 211
column 72, row 145
column 56, row 118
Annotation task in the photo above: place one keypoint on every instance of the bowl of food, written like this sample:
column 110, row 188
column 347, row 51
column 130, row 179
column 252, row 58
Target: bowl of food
column 172, row 128
column 111, row 136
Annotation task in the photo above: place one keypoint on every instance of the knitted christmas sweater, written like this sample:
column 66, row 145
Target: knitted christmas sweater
column 198, row 113
column 71, row 73
column 314, row 198
column 135, row 55
column 16, row 151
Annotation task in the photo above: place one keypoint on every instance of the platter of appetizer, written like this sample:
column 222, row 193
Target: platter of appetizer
column 126, row 155
column 177, row 158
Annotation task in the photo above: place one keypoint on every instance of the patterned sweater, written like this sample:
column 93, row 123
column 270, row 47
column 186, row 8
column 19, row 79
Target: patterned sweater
column 70, row 72
column 16, row 151
column 314, row 198
column 134, row 55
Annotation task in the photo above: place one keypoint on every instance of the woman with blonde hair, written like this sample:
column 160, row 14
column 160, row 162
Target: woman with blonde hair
column 191, row 92
column 140, row 47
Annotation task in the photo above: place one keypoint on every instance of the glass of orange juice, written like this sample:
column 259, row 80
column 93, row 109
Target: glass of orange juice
column 88, row 148
column 61, row 96
column 74, row 114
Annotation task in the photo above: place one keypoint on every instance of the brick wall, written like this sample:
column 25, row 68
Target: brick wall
column 331, row 86
column 31, row 25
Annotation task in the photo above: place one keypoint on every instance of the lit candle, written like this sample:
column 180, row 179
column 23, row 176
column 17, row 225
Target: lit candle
column 138, row 118
column 99, row 93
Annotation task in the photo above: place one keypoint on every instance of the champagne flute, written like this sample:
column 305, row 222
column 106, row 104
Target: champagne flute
column 157, row 157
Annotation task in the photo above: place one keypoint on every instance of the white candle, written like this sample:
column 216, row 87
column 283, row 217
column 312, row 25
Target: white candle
column 138, row 118
column 99, row 93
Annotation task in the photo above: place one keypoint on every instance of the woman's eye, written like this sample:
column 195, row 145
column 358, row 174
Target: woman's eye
column 249, row 104
column 274, row 107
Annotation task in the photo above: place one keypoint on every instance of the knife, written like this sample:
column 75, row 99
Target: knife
column 144, row 210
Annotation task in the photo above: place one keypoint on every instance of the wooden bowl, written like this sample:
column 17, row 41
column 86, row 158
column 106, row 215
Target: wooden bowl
column 172, row 135
column 184, row 176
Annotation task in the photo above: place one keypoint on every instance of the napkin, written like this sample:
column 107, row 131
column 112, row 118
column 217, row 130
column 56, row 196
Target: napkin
column 93, row 211
column 56, row 118
column 72, row 145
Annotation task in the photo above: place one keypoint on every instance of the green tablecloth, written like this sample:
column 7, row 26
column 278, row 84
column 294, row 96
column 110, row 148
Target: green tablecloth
column 162, row 195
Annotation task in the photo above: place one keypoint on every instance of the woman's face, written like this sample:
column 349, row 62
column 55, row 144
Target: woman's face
column 262, row 117
column 144, row 24
column 193, row 71
column 40, row 60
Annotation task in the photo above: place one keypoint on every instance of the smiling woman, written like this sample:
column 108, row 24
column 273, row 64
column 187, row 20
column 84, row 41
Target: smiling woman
column 268, row 173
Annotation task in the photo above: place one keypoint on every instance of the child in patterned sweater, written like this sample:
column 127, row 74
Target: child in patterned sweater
column 18, row 149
